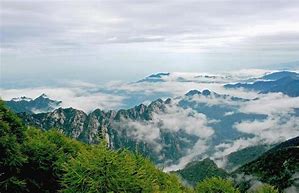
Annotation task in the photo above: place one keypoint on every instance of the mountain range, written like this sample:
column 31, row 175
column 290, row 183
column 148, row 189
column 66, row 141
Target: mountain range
column 166, row 131
column 148, row 128
column 40, row 104
column 284, row 81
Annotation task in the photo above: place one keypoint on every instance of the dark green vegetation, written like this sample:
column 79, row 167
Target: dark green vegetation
column 277, row 167
column 216, row 185
column 243, row 156
column 197, row 171
column 36, row 161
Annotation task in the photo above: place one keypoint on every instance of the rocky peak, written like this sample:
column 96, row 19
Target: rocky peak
column 193, row 92
column 206, row 92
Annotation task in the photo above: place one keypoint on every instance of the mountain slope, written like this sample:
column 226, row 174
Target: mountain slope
column 279, row 166
column 197, row 171
column 33, row 160
column 243, row 156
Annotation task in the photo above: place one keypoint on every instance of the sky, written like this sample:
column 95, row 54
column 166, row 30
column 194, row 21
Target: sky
column 48, row 42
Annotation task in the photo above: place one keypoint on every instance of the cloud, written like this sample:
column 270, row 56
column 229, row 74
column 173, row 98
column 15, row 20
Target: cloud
column 270, row 104
column 281, row 121
column 280, row 124
column 76, row 97
column 97, row 36
column 294, row 188
column 114, row 95
column 275, row 128
column 224, row 149
column 173, row 119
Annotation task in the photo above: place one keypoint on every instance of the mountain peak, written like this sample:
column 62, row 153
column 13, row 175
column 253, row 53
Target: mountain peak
column 193, row 92
column 43, row 96
column 280, row 75
column 22, row 98
column 157, row 77
column 206, row 92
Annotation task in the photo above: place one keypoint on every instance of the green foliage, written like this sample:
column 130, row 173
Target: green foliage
column 197, row 171
column 11, row 159
column 46, row 152
column 215, row 185
column 100, row 169
column 275, row 167
column 33, row 160
column 265, row 188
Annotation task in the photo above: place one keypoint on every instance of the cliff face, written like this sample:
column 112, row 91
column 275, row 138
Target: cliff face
column 115, row 128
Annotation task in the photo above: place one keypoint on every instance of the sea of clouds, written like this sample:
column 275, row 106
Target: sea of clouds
column 281, row 120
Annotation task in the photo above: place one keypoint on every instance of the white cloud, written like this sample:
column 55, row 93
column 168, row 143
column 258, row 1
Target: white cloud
column 275, row 128
column 279, row 125
column 76, row 97
column 270, row 104
column 172, row 119
column 225, row 148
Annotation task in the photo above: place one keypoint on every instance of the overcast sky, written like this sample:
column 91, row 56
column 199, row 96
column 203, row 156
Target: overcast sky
column 47, row 41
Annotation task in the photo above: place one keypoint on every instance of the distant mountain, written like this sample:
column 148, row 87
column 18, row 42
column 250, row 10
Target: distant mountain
column 185, row 77
column 28, row 105
column 280, row 75
column 197, row 171
column 279, row 166
column 284, row 82
column 158, row 77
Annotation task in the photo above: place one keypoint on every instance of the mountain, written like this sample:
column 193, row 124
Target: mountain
column 37, row 105
column 118, row 129
column 280, row 75
column 279, row 166
column 186, row 77
column 239, row 158
column 33, row 160
column 150, row 129
column 284, row 82
column 158, row 77
column 197, row 171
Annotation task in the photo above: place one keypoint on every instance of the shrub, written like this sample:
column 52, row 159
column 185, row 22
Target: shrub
column 215, row 185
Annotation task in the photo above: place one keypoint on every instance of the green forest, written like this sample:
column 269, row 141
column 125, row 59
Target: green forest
column 33, row 160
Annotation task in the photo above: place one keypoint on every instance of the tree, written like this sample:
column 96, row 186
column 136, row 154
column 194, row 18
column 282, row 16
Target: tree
column 12, row 158
column 47, row 152
column 215, row 185
column 100, row 169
